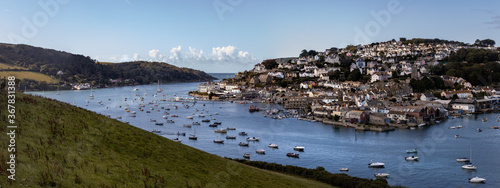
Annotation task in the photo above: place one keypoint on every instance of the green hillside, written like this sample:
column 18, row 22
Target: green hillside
column 77, row 68
column 65, row 146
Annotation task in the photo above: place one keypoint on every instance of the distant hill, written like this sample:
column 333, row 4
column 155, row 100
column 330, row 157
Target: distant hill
column 82, row 69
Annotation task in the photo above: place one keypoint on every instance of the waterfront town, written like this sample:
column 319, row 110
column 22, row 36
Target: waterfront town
column 367, row 87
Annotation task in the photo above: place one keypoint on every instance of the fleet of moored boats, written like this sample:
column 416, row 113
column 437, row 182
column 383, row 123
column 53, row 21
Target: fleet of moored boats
column 465, row 160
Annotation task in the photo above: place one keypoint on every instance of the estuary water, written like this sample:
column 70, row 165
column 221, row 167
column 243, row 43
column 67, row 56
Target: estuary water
column 325, row 145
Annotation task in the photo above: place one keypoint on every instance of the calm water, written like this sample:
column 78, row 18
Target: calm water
column 325, row 145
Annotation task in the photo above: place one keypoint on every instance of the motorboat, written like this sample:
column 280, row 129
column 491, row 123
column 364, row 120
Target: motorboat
column 411, row 150
column 376, row 165
column 421, row 125
column 477, row 180
column 479, row 130
column 189, row 117
column 452, row 127
column 242, row 133
column 187, row 125
column 230, row 137
column 412, row 158
column 296, row 155
column 177, row 140
column 201, row 115
column 155, row 131
column 469, row 167
column 118, row 117
column 344, row 169
column 218, row 123
column 158, row 123
column 221, row 131
column 252, row 139
column 174, row 115
column 485, row 119
column 212, row 125
column 246, row 155
column 457, row 136
column 218, row 141
column 205, row 120
column 274, row 146
column 463, row 159
column 152, row 120
column 298, row 148
column 243, row 144
column 382, row 175
column 196, row 123
column 231, row 128
column 132, row 115
column 260, row 151
column 170, row 121
column 165, row 117
column 460, row 126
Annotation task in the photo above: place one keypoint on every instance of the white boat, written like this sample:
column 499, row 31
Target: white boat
column 412, row 158
column 177, row 140
column 298, row 148
column 460, row 126
column 218, row 141
column 273, row 146
column 382, row 175
column 132, row 115
column 411, row 150
column 463, row 159
column 246, row 155
column 165, row 117
column 260, row 151
column 243, row 144
column 136, row 89
column 190, row 117
column 421, row 125
column 242, row 133
column 477, row 180
column 155, row 131
column 452, row 127
column 252, row 139
column 376, row 165
column 159, row 90
column 469, row 167
column 152, row 120
column 344, row 169
column 196, row 123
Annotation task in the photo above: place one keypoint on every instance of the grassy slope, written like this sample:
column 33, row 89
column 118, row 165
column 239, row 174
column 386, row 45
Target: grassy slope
column 66, row 146
column 28, row 75
column 4, row 66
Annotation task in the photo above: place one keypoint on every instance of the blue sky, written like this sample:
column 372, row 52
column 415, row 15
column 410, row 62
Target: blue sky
column 233, row 35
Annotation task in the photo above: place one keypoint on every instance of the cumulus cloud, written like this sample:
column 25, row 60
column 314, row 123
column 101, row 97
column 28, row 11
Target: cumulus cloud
column 221, row 59
column 153, row 53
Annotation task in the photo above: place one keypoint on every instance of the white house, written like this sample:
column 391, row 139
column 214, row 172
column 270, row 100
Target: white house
column 379, row 77
column 465, row 107
column 306, row 74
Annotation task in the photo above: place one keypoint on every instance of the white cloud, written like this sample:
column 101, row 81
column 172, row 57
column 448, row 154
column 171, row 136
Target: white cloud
column 222, row 59
column 153, row 53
